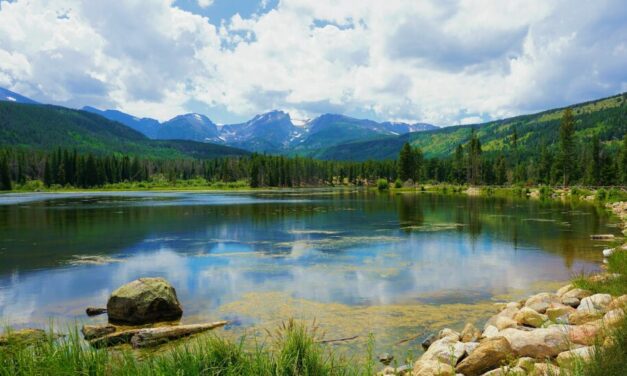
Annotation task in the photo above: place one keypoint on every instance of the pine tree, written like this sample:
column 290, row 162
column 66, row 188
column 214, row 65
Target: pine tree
column 474, row 159
column 567, row 145
column 622, row 164
column 406, row 168
column 5, row 176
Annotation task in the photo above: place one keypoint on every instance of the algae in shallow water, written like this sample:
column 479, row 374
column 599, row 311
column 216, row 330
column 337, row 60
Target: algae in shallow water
column 390, row 324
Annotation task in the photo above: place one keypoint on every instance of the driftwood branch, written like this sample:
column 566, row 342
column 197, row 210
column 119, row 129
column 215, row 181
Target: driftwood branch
column 156, row 336
column 338, row 340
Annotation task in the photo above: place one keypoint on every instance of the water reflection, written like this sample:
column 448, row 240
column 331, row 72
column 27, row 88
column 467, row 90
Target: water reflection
column 351, row 247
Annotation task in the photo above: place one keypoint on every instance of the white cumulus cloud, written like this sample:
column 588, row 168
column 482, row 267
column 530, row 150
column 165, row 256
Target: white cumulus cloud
column 446, row 62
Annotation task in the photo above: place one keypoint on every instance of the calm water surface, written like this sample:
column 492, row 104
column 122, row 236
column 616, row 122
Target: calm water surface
column 356, row 261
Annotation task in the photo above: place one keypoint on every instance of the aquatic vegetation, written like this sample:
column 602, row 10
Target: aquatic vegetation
column 93, row 260
column 338, row 242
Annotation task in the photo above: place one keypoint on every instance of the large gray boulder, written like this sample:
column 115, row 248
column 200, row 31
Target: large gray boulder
column 145, row 300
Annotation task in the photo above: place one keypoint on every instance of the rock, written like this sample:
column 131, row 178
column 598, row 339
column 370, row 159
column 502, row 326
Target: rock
column 156, row 336
column 490, row 331
column 620, row 302
column 595, row 303
column 385, row 358
column 576, row 293
column 144, row 300
column 525, row 363
column 557, row 311
column 585, row 334
column 544, row 369
column 391, row 371
column 488, row 355
column 448, row 333
column 432, row 368
column 613, row 318
column 505, row 322
column 608, row 252
column 540, row 302
column 508, row 312
column 506, row 371
column 428, row 341
column 564, row 289
column 579, row 318
column 26, row 336
column 529, row 317
column 94, row 311
column 95, row 331
column 569, row 359
column 573, row 302
column 470, row 333
column 469, row 347
column 445, row 350
column 539, row 343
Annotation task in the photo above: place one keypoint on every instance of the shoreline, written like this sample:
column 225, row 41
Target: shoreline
column 549, row 333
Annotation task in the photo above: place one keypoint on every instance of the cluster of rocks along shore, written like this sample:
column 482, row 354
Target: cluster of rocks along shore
column 542, row 335
column 545, row 334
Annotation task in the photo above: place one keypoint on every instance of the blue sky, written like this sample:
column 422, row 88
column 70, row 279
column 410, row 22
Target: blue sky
column 218, row 11
column 443, row 62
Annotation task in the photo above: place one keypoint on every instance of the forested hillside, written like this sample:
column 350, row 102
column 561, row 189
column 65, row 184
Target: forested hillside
column 45, row 127
column 605, row 118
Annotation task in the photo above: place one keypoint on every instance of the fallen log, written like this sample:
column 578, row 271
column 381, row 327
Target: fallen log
column 96, row 331
column 114, row 339
column 155, row 336
column 602, row 237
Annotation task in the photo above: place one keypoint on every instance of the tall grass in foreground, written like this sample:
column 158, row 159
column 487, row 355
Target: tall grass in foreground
column 609, row 360
column 293, row 351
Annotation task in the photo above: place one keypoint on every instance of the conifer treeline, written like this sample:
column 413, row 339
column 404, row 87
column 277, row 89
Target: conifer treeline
column 569, row 162
column 69, row 168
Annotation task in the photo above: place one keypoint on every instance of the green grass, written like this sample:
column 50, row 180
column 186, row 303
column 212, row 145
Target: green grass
column 153, row 184
column 608, row 361
column 617, row 263
column 293, row 349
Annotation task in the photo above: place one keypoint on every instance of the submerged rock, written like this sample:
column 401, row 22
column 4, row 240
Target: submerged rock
column 145, row 300
column 385, row 358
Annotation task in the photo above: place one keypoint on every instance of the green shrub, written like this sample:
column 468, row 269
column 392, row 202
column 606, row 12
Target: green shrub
column 601, row 195
column 382, row 184
column 398, row 183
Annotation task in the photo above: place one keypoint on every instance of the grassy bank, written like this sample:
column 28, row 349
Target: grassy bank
column 291, row 350
column 608, row 360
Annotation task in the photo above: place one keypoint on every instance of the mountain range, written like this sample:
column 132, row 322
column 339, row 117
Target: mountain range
column 24, row 122
column 271, row 132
